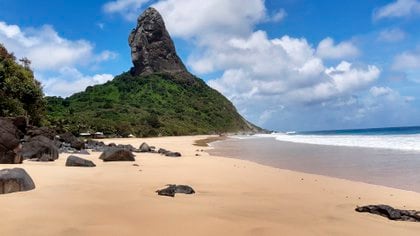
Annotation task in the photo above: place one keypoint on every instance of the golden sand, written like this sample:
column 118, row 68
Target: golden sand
column 234, row 197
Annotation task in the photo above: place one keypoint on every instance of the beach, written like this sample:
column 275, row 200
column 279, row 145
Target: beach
column 233, row 197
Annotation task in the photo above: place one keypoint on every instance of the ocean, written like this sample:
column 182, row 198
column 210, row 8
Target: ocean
column 400, row 138
column 382, row 156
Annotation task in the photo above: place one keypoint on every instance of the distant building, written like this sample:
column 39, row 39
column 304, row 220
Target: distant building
column 85, row 135
column 98, row 135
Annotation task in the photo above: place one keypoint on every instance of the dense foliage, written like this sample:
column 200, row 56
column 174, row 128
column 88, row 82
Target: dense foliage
column 20, row 93
column 158, row 104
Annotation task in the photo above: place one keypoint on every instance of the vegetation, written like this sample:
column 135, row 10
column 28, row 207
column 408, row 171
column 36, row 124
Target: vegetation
column 158, row 104
column 20, row 93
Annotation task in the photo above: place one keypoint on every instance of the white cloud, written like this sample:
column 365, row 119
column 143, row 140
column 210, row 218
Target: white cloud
column 45, row 48
column 391, row 35
column 409, row 60
column 278, row 16
column 129, row 9
column 328, row 50
column 69, row 81
column 54, row 58
column 284, row 69
column 381, row 91
column 187, row 18
column 398, row 9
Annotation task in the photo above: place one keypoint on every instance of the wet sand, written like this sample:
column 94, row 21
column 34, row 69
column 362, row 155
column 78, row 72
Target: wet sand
column 233, row 197
column 392, row 168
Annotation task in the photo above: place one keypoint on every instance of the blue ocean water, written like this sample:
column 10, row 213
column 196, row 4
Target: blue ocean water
column 399, row 138
column 370, row 131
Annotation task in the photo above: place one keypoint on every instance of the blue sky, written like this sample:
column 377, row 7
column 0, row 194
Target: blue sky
column 286, row 65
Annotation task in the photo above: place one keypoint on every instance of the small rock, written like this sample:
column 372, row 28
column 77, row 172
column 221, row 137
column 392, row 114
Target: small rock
column 172, row 189
column 144, row 147
column 77, row 161
column 117, row 154
column 173, row 154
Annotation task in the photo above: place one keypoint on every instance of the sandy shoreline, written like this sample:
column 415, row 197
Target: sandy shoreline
column 233, row 197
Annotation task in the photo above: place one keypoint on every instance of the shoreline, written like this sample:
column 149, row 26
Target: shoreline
column 233, row 196
column 340, row 162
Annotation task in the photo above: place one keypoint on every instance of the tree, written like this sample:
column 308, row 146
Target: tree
column 20, row 93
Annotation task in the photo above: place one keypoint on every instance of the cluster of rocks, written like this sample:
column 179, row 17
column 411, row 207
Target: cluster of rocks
column 391, row 213
column 18, row 142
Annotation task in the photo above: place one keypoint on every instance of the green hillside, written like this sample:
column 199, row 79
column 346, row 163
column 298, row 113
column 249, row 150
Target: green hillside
column 152, row 105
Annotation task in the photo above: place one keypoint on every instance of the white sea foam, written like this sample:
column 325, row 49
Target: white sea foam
column 399, row 142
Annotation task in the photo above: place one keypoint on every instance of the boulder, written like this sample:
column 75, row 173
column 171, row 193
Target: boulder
column 391, row 213
column 37, row 131
column 40, row 148
column 144, row 147
column 172, row 189
column 9, row 143
column 77, row 161
column 117, row 154
column 15, row 180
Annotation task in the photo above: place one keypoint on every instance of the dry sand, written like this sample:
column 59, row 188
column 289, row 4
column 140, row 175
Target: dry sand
column 234, row 197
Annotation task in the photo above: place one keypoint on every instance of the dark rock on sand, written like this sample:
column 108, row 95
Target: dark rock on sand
column 40, row 148
column 152, row 49
column 117, row 154
column 9, row 143
column 15, row 180
column 77, row 161
column 162, row 151
column 172, row 189
column 391, row 213
column 144, row 147
column 172, row 154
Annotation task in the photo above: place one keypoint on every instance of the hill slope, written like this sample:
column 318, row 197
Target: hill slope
column 151, row 105
column 157, row 97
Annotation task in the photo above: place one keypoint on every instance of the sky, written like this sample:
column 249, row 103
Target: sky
column 285, row 64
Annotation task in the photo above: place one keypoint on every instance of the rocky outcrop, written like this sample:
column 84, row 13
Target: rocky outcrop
column 391, row 213
column 152, row 49
column 15, row 180
column 117, row 154
column 79, row 162
column 40, row 148
column 9, row 143
column 172, row 189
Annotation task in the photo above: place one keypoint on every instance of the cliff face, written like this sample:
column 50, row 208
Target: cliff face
column 152, row 49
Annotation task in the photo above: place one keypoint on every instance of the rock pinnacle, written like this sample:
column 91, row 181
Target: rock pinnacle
column 152, row 49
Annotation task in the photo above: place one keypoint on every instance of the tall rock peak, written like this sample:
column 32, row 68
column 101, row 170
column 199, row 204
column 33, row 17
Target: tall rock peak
column 152, row 49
